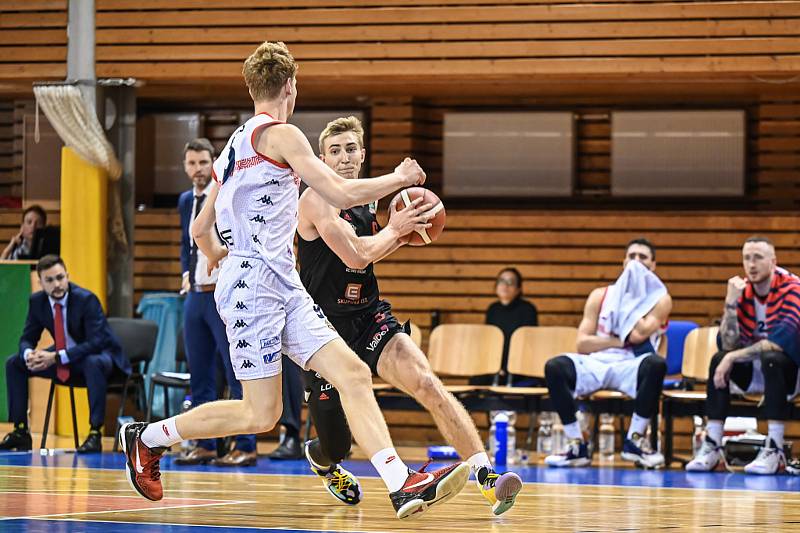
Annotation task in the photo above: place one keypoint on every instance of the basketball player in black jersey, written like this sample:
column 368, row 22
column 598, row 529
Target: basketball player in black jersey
column 336, row 252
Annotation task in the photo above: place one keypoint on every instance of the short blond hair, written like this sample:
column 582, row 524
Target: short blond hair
column 339, row 126
column 267, row 70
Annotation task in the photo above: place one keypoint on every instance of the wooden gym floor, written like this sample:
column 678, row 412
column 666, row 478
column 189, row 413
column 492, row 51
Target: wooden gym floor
column 65, row 493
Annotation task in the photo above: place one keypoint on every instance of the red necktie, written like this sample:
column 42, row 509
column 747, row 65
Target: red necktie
column 62, row 371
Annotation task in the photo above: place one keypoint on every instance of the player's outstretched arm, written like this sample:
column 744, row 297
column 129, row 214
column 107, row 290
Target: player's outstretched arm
column 354, row 251
column 202, row 228
column 337, row 191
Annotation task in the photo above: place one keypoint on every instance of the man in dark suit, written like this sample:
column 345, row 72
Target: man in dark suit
column 204, row 332
column 86, row 352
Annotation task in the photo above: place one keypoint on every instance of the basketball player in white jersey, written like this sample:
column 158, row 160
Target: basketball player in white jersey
column 605, row 361
column 264, row 306
column 337, row 249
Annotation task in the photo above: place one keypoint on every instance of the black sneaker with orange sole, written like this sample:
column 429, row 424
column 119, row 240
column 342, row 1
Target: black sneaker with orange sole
column 142, row 463
column 424, row 489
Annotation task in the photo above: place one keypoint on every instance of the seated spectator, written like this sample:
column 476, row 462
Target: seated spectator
column 510, row 312
column 86, row 352
column 22, row 244
column 759, row 353
column 618, row 337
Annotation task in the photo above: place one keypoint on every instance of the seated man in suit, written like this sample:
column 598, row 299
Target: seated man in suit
column 86, row 352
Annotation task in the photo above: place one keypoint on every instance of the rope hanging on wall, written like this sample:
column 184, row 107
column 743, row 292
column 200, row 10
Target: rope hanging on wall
column 77, row 125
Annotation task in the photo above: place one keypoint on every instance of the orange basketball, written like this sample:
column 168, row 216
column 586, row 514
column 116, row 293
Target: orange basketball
column 425, row 236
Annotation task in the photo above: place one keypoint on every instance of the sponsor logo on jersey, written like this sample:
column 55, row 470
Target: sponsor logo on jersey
column 353, row 291
column 245, row 264
column 247, row 364
column 239, row 324
column 248, row 162
column 376, row 339
column 255, row 239
column 324, row 397
column 243, row 344
column 266, row 200
column 296, row 178
column 269, row 343
column 241, row 285
column 240, row 306
column 272, row 357
column 258, row 218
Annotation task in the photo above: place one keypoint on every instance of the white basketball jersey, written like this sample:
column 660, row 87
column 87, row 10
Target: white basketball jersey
column 257, row 203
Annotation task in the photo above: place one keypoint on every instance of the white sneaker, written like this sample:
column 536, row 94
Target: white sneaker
column 793, row 467
column 638, row 451
column 577, row 454
column 769, row 460
column 708, row 457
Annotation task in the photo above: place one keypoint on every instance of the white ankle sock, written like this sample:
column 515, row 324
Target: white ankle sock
column 714, row 431
column 478, row 461
column 638, row 425
column 775, row 432
column 161, row 434
column 392, row 469
column 573, row 431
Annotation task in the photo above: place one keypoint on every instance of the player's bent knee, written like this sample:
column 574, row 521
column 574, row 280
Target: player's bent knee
column 262, row 418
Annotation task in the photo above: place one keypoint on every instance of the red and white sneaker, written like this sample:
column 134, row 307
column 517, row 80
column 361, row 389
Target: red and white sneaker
column 142, row 465
column 424, row 489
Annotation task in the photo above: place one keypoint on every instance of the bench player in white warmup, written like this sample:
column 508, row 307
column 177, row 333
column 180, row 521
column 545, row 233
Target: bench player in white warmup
column 337, row 249
column 264, row 306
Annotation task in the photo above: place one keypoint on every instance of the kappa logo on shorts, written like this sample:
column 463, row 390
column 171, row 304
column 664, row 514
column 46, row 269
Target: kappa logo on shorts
column 255, row 239
column 269, row 343
column 166, row 431
column 258, row 218
column 247, row 364
column 241, row 285
column 273, row 181
column 240, row 324
column 240, row 305
column 376, row 339
column 243, row 344
column 272, row 357
column 245, row 264
column 266, row 200
column 318, row 310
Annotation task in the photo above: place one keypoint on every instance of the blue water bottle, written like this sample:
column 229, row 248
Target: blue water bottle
column 501, row 436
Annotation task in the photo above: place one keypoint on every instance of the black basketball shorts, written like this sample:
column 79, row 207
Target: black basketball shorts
column 368, row 333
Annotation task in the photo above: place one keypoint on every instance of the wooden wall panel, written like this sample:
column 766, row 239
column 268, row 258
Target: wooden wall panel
column 405, row 41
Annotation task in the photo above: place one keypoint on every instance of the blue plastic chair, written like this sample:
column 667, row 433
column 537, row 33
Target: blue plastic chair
column 677, row 330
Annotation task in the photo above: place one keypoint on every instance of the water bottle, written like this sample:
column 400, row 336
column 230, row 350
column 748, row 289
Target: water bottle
column 699, row 435
column 500, row 438
column 606, row 437
column 511, row 437
column 544, row 437
column 186, row 445
column 559, row 438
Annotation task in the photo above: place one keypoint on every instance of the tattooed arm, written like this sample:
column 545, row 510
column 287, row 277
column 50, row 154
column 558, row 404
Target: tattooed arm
column 729, row 327
column 742, row 355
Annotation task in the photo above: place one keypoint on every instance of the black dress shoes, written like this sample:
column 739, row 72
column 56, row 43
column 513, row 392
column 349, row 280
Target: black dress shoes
column 290, row 448
column 92, row 444
column 19, row 439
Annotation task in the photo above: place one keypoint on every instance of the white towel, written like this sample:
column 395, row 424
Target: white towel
column 631, row 297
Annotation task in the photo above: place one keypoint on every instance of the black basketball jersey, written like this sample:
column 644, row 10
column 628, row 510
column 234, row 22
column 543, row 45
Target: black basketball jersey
column 336, row 288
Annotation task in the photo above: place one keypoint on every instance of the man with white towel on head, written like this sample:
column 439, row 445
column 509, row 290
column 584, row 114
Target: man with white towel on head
column 617, row 342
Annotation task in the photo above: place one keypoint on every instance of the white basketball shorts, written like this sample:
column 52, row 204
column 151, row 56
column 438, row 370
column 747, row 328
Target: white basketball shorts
column 267, row 314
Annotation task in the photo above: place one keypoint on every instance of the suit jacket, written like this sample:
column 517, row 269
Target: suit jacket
column 86, row 324
column 185, row 202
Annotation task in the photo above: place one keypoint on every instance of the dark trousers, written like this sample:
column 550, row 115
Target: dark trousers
column 292, row 396
column 562, row 379
column 206, row 341
column 780, row 380
column 92, row 372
